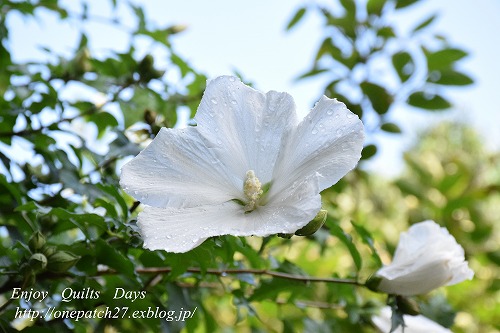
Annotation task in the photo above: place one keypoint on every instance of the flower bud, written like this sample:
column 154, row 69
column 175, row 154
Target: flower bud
column 49, row 250
column 61, row 261
column 38, row 262
column 36, row 242
column 314, row 225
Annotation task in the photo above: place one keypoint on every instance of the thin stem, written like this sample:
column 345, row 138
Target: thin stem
column 230, row 271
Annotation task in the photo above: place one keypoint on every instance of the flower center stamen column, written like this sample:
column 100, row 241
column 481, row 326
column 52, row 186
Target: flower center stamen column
column 252, row 188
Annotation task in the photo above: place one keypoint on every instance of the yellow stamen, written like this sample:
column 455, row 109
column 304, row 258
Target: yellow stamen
column 252, row 189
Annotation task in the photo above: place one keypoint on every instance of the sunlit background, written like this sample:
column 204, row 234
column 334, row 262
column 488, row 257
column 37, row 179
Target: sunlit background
column 224, row 37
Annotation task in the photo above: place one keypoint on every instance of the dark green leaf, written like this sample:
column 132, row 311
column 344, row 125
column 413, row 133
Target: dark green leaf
column 115, row 193
column 367, row 238
column 380, row 98
column 428, row 102
column 444, row 58
column 386, row 32
column 296, row 18
column 425, row 23
column 312, row 72
column 451, row 78
column 347, row 240
column 103, row 120
column 368, row 152
column 404, row 65
column 404, row 3
column 375, row 6
column 112, row 257
column 271, row 289
column 390, row 128
column 350, row 7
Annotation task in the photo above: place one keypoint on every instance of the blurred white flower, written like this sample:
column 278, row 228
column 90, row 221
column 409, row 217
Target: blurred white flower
column 413, row 324
column 427, row 257
column 249, row 167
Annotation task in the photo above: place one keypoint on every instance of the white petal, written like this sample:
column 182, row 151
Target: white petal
column 180, row 230
column 414, row 324
column 177, row 169
column 244, row 125
column 414, row 281
column 326, row 144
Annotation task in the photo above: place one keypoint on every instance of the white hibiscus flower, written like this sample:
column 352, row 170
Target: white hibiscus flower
column 427, row 257
column 249, row 167
column 413, row 324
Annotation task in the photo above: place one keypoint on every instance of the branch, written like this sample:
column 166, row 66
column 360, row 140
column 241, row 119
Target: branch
column 219, row 272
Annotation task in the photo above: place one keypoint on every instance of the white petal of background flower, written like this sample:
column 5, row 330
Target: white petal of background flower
column 427, row 257
column 194, row 178
column 414, row 324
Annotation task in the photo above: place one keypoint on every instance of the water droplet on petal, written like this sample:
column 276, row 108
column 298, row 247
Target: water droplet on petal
column 232, row 79
column 339, row 132
column 194, row 240
column 329, row 112
column 213, row 100
column 314, row 131
column 350, row 115
column 234, row 102
column 169, row 237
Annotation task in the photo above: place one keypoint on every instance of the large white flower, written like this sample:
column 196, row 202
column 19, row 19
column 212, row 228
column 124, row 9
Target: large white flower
column 427, row 257
column 249, row 167
column 413, row 324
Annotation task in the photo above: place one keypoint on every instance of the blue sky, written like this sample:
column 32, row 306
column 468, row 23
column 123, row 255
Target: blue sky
column 250, row 36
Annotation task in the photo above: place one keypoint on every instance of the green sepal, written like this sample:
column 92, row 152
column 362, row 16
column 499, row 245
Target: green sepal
column 407, row 306
column 314, row 225
column 373, row 282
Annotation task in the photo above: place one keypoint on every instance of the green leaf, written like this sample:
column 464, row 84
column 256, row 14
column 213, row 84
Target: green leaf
column 312, row 72
column 386, row 32
column 404, row 3
column 367, row 238
column 350, row 7
column 347, row 240
column 375, row 7
column 112, row 257
column 296, row 18
column 271, row 289
column 422, row 100
column 368, row 152
column 380, row 98
column 114, row 192
column 103, row 120
column 425, row 23
column 451, row 78
column 390, row 128
column 444, row 58
column 404, row 65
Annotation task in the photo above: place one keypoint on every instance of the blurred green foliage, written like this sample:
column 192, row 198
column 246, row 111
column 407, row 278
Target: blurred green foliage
column 375, row 67
column 65, row 222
